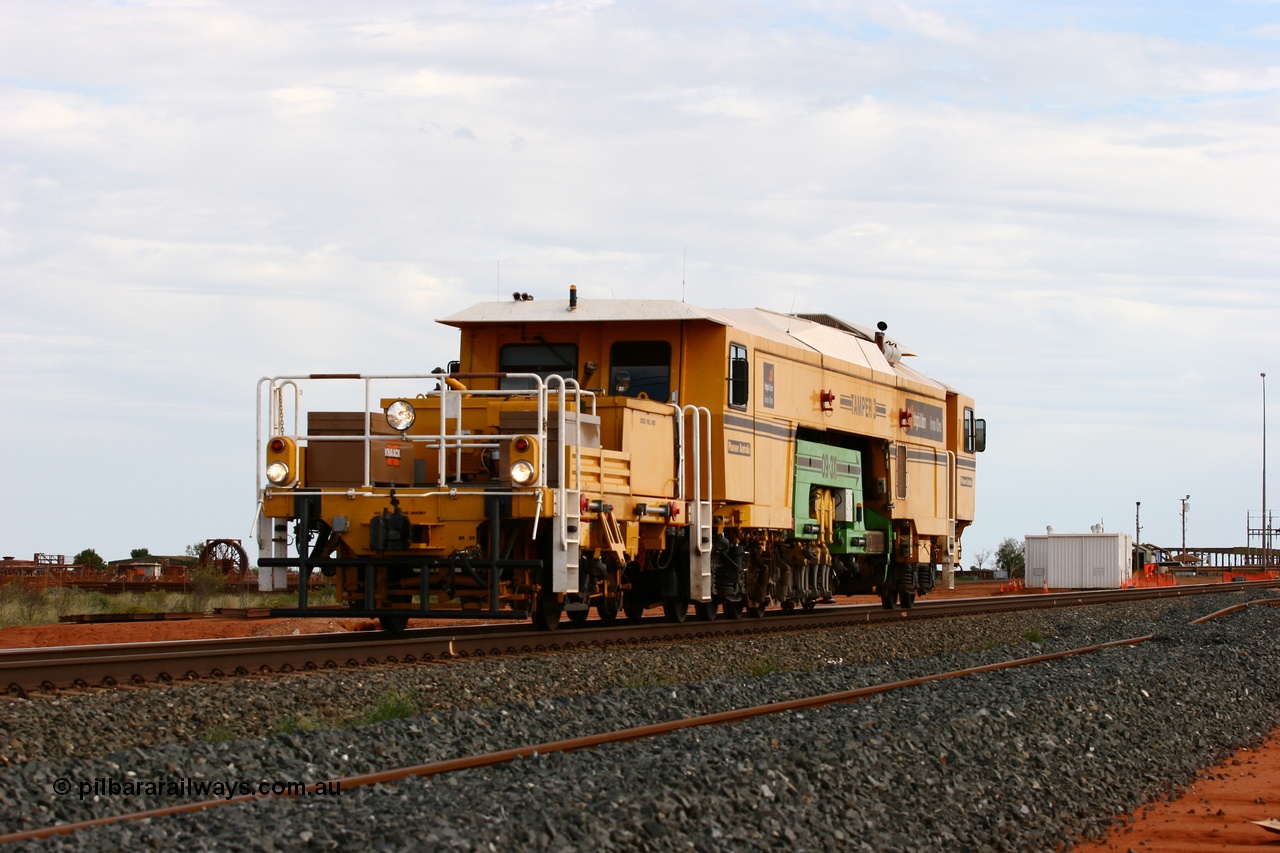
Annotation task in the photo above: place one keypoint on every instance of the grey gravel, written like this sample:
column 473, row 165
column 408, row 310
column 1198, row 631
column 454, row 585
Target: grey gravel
column 1024, row 759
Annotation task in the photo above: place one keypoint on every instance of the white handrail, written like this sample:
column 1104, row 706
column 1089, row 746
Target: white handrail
column 700, row 522
column 448, row 437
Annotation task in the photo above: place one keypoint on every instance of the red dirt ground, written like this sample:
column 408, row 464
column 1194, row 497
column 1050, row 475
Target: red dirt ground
column 98, row 633
column 1215, row 814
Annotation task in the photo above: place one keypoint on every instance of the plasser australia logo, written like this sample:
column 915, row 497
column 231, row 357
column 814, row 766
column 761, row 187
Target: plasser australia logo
column 926, row 421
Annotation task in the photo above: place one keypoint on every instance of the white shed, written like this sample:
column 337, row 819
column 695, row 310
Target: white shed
column 1078, row 560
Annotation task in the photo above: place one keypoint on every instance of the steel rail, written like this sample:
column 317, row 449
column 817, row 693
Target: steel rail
column 51, row 668
column 506, row 756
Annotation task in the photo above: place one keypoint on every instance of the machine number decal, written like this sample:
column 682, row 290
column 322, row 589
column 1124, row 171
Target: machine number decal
column 862, row 406
column 830, row 467
column 768, row 400
column 739, row 448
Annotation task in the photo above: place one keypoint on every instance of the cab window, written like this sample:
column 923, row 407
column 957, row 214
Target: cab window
column 640, row 368
column 739, row 376
column 540, row 358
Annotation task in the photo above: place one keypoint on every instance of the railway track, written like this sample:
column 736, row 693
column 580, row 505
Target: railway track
column 633, row 733
column 25, row 670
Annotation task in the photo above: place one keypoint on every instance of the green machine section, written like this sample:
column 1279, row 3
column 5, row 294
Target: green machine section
column 838, row 470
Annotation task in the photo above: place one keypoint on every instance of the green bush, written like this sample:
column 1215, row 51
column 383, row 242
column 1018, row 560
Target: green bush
column 1010, row 558
column 393, row 706
column 90, row 559
column 762, row 666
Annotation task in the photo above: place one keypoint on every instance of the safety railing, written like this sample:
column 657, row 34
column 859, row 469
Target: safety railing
column 283, row 397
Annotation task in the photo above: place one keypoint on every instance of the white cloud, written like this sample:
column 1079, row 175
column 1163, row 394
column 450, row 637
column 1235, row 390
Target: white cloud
column 1071, row 221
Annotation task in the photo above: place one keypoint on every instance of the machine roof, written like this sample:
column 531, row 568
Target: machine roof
column 819, row 333
column 588, row 311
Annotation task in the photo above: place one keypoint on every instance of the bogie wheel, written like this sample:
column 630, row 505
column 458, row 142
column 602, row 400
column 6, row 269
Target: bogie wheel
column 755, row 611
column 810, row 603
column 907, row 599
column 788, row 605
column 394, row 624
column 546, row 611
column 706, row 610
column 732, row 609
column 579, row 617
column 675, row 607
column 633, row 608
column 607, row 608
column 887, row 598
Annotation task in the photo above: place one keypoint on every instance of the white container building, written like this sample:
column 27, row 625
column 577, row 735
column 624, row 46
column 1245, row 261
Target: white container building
column 1078, row 560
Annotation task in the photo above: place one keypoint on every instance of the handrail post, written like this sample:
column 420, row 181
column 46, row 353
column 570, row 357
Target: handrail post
column 368, row 431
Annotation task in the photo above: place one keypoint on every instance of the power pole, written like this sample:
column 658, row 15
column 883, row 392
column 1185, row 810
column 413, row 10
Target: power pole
column 1184, row 523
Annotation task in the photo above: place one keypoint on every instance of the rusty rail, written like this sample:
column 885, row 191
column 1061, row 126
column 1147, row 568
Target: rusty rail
column 51, row 668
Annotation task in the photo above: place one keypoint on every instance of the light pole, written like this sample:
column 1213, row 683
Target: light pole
column 1137, row 522
column 1266, row 528
column 1184, row 523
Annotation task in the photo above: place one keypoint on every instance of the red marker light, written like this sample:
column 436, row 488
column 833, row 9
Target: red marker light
column 277, row 445
column 520, row 445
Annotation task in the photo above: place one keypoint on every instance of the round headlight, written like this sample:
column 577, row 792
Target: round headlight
column 522, row 472
column 400, row 415
column 278, row 473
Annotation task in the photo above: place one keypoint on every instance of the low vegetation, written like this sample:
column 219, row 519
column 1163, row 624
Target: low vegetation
column 218, row 733
column 762, row 666
column 645, row 677
column 392, row 706
column 28, row 605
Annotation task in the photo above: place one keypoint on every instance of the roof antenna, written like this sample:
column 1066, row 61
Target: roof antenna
column 684, row 268
column 792, row 312
column 498, row 296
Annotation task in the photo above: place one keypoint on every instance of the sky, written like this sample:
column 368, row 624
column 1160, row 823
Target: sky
column 1068, row 210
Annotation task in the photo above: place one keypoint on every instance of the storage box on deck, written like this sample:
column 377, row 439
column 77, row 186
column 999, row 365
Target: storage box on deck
column 1078, row 560
column 341, row 463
